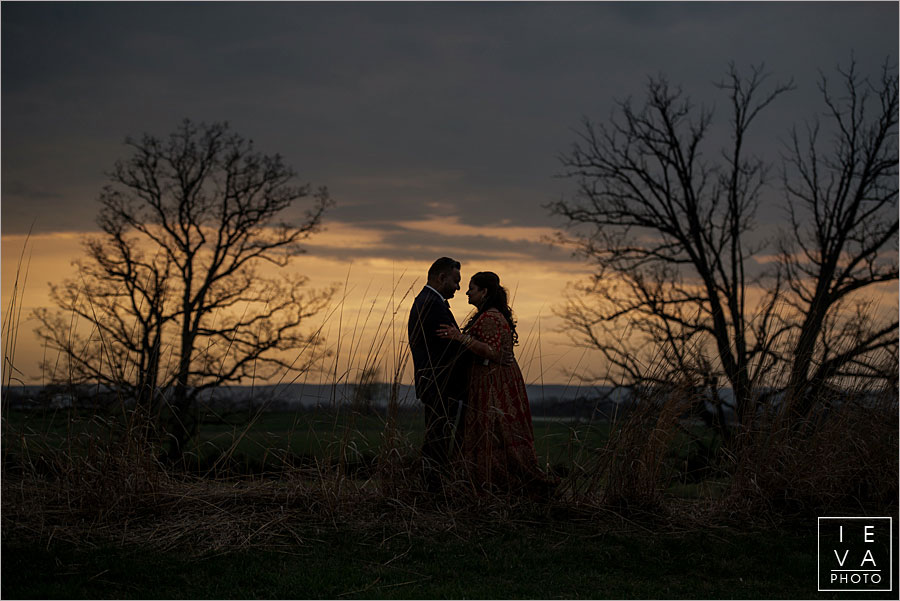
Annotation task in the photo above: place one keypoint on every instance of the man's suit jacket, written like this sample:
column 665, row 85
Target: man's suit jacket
column 440, row 364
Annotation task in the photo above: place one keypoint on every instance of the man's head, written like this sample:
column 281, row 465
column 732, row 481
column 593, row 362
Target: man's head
column 443, row 276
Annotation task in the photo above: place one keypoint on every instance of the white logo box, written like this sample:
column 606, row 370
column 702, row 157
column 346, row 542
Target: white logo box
column 888, row 581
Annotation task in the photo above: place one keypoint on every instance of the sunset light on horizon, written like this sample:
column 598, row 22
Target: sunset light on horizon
column 370, row 290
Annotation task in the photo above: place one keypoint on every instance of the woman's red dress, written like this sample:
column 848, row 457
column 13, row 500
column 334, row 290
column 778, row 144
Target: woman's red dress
column 498, row 441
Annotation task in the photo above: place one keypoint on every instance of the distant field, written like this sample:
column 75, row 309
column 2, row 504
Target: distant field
column 268, row 442
column 265, row 440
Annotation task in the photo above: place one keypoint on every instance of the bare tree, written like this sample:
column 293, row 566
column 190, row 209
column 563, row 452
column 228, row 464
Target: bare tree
column 171, row 287
column 667, row 230
column 842, row 201
column 671, row 234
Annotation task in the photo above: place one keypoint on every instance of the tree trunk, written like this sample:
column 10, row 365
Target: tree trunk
column 799, row 392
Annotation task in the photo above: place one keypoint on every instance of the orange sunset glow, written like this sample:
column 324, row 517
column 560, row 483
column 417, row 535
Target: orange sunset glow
column 372, row 302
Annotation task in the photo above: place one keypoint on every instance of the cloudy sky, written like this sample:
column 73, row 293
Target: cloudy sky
column 436, row 126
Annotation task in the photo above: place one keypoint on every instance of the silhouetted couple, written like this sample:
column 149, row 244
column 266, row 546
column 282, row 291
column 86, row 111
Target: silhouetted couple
column 478, row 421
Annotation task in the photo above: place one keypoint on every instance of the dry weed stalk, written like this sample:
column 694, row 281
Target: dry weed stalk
column 844, row 456
column 629, row 473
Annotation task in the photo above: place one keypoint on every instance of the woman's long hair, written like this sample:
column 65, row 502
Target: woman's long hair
column 495, row 298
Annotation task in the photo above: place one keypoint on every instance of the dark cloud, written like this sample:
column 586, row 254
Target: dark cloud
column 403, row 243
column 403, row 109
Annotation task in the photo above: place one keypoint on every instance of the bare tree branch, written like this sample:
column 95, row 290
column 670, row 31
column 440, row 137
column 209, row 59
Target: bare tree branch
column 666, row 231
column 846, row 187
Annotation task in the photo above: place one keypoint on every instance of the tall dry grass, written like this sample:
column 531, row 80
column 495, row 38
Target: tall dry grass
column 844, row 456
column 102, row 479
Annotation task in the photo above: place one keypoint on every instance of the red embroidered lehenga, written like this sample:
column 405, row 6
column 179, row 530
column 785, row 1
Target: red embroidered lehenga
column 498, row 442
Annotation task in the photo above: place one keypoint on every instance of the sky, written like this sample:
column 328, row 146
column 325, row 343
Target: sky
column 437, row 127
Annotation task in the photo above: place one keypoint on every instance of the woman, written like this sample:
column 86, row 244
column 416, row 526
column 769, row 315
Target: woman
column 498, row 441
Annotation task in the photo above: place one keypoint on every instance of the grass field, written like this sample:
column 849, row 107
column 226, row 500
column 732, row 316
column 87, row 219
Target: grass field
column 299, row 505
column 243, row 443
column 548, row 561
column 260, row 440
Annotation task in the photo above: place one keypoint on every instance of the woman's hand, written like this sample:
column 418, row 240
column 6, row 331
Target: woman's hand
column 449, row 332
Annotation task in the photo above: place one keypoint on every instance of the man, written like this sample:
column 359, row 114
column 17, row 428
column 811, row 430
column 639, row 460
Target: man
column 440, row 367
